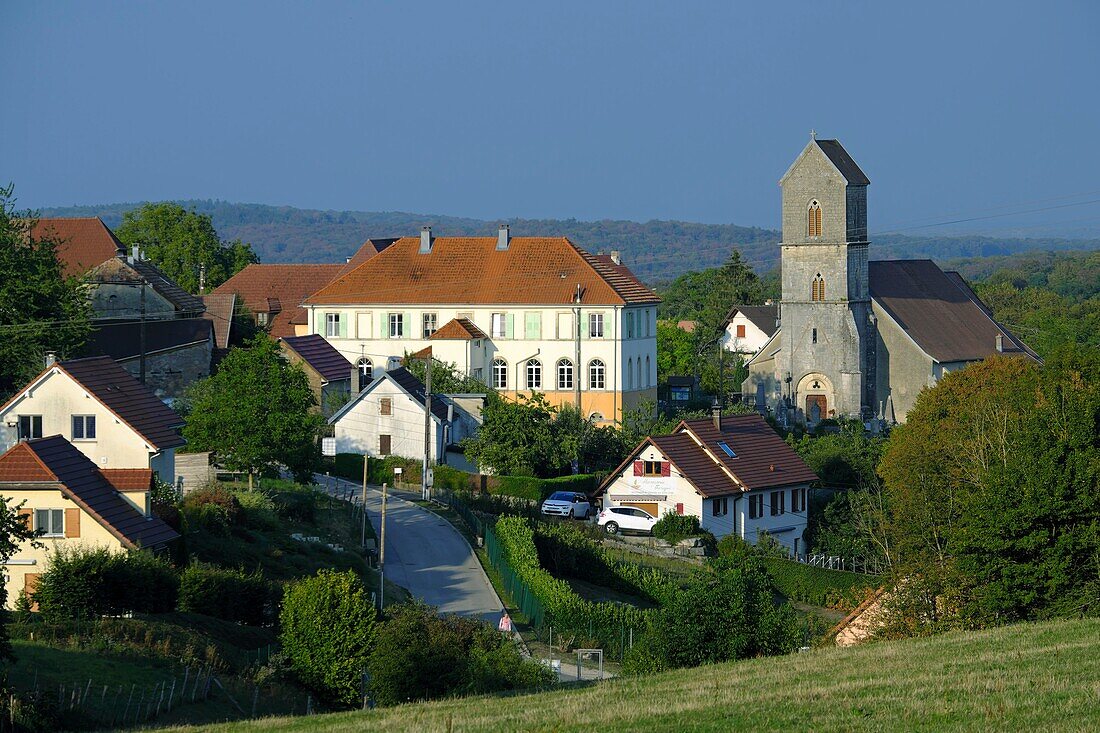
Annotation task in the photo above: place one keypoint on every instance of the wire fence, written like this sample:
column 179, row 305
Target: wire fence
column 520, row 593
column 867, row 566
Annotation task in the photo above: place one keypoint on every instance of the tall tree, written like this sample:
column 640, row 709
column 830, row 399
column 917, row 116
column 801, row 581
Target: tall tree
column 255, row 413
column 182, row 242
column 40, row 310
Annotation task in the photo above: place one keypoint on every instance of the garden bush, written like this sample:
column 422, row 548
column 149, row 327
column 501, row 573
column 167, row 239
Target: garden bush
column 296, row 502
column 837, row 589
column 232, row 595
column 328, row 631
column 674, row 527
column 420, row 655
column 213, row 508
column 83, row 583
column 258, row 509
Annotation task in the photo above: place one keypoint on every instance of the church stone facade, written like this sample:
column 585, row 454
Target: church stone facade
column 858, row 338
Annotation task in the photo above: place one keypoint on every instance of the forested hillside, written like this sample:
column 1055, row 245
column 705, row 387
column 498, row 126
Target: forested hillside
column 657, row 251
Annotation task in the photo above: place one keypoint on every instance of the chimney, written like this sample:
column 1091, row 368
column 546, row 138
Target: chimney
column 504, row 237
column 135, row 255
column 616, row 257
column 716, row 414
column 425, row 240
column 51, row 358
column 1000, row 344
column 347, row 260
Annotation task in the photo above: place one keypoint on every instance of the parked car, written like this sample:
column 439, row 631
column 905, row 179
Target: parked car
column 567, row 504
column 626, row 519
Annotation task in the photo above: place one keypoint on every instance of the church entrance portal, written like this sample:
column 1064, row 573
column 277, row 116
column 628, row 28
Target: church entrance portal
column 816, row 408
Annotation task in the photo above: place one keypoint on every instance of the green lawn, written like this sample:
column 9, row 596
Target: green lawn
column 1043, row 676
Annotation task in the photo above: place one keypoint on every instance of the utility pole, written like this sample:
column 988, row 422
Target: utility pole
column 363, row 530
column 577, row 370
column 424, row 495
column 382, row 553
column 141, row 373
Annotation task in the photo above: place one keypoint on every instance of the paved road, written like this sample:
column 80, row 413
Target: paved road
column 426, row 555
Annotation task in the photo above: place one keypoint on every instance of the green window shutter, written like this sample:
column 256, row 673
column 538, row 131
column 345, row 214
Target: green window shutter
column 584, row 325
column 534, row 326
column 407, row 329
column 383, row 325
column 343, row 325
column 509, row 325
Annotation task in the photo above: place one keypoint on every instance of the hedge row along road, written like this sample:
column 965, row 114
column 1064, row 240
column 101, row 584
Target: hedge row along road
column 427, row 556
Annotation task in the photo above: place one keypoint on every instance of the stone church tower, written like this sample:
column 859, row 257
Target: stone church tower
column 825, row 312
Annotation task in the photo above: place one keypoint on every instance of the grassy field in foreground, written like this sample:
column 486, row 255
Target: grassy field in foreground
column 1042, row 676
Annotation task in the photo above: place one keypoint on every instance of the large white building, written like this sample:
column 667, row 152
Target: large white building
column 522, row 314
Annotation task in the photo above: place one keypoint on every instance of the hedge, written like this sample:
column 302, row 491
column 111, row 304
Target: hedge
column 83, row 583
column 521, row 487
column 233, row 595
column 350, row 467
column 820, row 587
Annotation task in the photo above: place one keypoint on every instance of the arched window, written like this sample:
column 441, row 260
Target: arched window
column 565, row 374
column 817, row 289
column 534, row 374
column 648, row 375
column 813, row 219
column 596, row 372
column 638, row 381
column 596, row 417
column 500, row 374
column 630, row 373
column 366, row 371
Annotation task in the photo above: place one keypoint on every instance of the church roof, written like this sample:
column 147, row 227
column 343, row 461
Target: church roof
column 942, row 315
column 844, row 163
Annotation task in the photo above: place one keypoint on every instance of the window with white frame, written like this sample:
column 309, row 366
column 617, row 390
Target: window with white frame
column 332, row 325
column 263, row 318
column 83, row 427
column 777, row 501
column 497, row 325
column 51, row 522
column 595, row 325
column 30, row 427
column 630, row 324
column 798, row 500
column 565, row 374
column 500, row 374
column 534, row 374
column 397, row 325
column 756, row 506
column 430, row 321
column 719, row 507
column 366, row 371
column 597, row 374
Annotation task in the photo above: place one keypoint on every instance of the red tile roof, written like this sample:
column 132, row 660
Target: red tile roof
column 471, row 270
column 130, row 400
column 459, row 328
column 129, row 479
column 320, row 355
column 83, row 242
column 370, row 248
column 279, row 289
column 55, row 460
column 219, row 311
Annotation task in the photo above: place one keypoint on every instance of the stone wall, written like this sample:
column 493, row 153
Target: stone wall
column 170, row 373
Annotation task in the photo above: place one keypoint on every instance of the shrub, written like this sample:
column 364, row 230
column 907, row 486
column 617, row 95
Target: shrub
column 83, row 583
column 350, row 466
column 674, row 527
column 328, row 631
column 213, row 508
column 232, row 595
column 838, row 589
column 258, row 509
column 421, row 655
column 297, row 503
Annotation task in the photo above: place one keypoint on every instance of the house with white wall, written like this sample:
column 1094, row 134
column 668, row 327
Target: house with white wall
column 748, row 327
column 72, row 502
column 107, row 414
column 521, row 314
column 387, row 418
column 735, row 473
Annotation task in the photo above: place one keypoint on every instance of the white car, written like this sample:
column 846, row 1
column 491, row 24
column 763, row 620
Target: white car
column 567, row 504
column 617, row 519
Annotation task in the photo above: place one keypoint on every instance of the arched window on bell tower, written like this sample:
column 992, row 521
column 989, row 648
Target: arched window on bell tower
column 817, row 289
column 813, row 219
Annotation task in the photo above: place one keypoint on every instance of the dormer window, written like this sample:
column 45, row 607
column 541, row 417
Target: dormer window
column 813, row 219
column 817, row 289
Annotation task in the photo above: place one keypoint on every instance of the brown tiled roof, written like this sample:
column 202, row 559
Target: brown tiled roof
column 219, row 311
column 471, row 270
column 129, row 479
column 118, row 269
column 55, row 460
column 84, row 242
column 459, row 328
column 130, row 400
column 370, row 248
column 263, row 287
column 947, row 321
column 763, row 460
column 320, row 355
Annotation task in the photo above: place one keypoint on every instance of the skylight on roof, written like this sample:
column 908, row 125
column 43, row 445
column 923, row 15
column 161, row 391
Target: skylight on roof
column 725, row 447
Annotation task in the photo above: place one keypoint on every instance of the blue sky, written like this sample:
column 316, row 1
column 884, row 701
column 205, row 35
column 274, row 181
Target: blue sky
column 633, row 110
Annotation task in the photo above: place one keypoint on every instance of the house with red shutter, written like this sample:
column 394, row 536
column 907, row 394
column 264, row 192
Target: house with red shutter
column 735, row 473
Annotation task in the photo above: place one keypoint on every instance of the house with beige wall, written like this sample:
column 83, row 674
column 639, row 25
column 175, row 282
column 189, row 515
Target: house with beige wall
column 734, row 473
column 58, row 491
column 106, row 413
column 521, row 314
